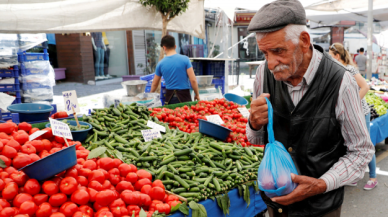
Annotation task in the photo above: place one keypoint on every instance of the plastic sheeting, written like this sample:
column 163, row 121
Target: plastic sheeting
column 77, row 16
column 379, row 129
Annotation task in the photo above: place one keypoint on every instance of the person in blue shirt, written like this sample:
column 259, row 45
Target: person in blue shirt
column 177, row 72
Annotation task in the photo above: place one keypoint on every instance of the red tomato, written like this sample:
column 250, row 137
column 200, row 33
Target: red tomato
column 105, row 163
column 146, row 189
column 118, row 208
column 139, row 184
column 105, row 197
column 21, row 161
column 28, row 207
column 158, row 183
column 132, row 178
column 19, row 178
column 32, row 187
column 58, row 199
column 143, row 174
column 68, row 209
column 40, row 198
column 21, row 198
column 130, row 197
column 10, row 191
column 124, row 185
column 124, row 169
column 157, row 193
column 6, row 160
column 9, row 152
column 68, row 185
column 82, row 181
column 87, row 210
column 8, row 211
column 92, row 194
column 50, row 187
column 97, row 175
column 57, row 214
column 44, row 210
column 80, row 197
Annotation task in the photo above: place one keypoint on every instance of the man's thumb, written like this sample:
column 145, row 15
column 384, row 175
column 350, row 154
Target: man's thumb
column 294, row 178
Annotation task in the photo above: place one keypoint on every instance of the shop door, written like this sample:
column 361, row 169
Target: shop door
column 139, row 51
column 118, row 60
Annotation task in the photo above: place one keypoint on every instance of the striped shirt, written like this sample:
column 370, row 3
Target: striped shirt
column 353, row 71
column 351, row 167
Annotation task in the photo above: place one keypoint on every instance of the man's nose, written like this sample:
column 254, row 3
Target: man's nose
column 272, row 62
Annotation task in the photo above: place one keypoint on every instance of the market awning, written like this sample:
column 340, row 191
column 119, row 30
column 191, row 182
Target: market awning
column 77, row 16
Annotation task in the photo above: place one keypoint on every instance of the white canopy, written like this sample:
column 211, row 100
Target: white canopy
column 77, row 16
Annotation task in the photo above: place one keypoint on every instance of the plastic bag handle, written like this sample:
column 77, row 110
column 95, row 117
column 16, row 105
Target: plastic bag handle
column 271, row 136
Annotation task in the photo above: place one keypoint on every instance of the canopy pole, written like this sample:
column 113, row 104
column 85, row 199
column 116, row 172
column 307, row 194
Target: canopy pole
column 250, row 35
column 370, row 35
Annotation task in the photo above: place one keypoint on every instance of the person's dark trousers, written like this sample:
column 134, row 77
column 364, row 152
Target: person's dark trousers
column 174, row 100
column 273, row 213
column 106, row 59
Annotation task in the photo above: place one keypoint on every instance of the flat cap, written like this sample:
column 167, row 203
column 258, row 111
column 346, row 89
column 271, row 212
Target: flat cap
column 277, row 15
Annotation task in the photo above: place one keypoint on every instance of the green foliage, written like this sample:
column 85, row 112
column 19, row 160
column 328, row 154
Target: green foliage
column 170, row 8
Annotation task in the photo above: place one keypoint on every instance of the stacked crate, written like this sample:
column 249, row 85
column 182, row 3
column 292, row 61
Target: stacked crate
column 37, row 77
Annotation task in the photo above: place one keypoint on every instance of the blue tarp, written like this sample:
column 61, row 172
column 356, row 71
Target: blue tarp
column 238, row 207
column 379, row 129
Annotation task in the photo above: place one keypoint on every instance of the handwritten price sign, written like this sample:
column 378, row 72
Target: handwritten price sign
column 60, row 129
column 151, row 134
column 71, row 101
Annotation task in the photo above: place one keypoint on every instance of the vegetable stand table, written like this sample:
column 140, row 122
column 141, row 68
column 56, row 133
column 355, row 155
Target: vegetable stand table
column 379, row 129
column 238, row 207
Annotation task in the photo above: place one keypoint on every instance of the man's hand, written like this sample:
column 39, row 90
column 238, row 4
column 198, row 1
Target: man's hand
column 307, row 187
column 196, row 98
column 259, row 112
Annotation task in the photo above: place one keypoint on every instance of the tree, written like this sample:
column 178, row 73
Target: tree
column 168, row 9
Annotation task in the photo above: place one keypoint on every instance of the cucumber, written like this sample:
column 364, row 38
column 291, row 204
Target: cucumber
column 183, row 152
column 182, row 182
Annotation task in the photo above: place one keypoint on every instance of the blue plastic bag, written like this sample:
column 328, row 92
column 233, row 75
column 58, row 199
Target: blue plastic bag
column 274, row 174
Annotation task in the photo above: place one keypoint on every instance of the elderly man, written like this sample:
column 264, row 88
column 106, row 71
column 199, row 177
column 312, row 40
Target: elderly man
column 317, row 113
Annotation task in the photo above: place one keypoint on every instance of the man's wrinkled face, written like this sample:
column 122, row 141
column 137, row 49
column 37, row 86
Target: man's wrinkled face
column 283, row 57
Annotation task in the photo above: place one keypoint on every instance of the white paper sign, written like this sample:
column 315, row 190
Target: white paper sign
column 60, row 129
column 244, row 111
column 216, row 119
column 151, row 134
column 156, row 126
column 70, row 99
column 37, row 134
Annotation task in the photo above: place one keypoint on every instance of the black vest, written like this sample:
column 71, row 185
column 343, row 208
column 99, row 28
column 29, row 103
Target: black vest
column 310, row 131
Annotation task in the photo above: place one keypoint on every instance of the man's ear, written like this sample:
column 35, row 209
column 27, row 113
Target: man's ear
column 305, row 41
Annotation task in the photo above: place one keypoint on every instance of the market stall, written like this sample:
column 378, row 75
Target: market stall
column 179, row 159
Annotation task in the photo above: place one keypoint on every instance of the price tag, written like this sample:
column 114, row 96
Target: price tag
column 70, row 99
column 244, row 111
column 60, row 129
column 37, row 134
column 216, row 119
column 150, row 134
column 156, row 126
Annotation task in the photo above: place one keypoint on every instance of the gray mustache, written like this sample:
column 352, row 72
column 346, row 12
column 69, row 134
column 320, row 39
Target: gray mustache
column 280, row 67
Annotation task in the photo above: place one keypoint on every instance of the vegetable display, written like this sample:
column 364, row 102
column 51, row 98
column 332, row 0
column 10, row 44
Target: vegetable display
column 103, row 187
column 186, row 118
column 193, row 166
column 379, row 105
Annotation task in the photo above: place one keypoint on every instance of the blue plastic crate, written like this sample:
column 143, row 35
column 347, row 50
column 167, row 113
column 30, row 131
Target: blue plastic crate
column 215, row 68
column 28, row 57
column 148, row 77
column 9, row 73
column 9, row 87
column 5, row 116
column 375, row 75
column 198, row 68
column 219, row 83
column 33, row 71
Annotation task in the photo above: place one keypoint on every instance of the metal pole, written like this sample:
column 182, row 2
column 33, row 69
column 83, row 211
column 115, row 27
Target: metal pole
column 370, row 37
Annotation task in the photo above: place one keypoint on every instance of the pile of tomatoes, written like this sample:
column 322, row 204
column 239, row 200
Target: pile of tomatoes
column 186, row 118
column 102, row 187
